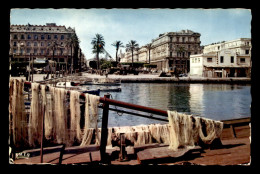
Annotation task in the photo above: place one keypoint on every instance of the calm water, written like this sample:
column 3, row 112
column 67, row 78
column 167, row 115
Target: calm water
column 215, row 101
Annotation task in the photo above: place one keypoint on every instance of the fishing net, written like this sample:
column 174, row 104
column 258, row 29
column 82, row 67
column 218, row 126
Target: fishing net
column 186, row 130
column 75, row 131
column 91, row 119
column 49, row 114
column 17, row 114
column 35, row 125
column 60, row 116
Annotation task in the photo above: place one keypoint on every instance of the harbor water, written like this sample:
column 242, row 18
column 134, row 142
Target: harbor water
column 214, row 101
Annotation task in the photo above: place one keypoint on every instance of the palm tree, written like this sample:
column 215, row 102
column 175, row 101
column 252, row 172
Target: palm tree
column 53, row 46
column 98, row 44
column 72, row 42
column 149, row 47
column 117, row 44
column 131, row 46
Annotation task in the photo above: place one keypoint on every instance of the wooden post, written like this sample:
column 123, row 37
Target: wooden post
column 104, row 130
column 42, row 133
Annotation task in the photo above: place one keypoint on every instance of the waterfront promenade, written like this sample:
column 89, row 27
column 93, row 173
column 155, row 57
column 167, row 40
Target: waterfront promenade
column 147, row 78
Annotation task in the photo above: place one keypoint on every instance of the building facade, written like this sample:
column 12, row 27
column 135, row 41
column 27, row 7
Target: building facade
column 34, row 41
column 170, row 51
column 225, row 59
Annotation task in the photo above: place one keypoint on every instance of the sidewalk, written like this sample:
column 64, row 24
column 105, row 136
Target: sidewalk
column 130, row 78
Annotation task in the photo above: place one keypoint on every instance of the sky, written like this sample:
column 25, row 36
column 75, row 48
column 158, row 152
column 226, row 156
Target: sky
column 142, row 25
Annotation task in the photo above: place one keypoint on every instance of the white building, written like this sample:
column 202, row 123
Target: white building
column 170, row 50
column 225, row 59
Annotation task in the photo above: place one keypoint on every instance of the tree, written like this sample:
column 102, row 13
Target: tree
column 104, row 64
column 181, row 50
column 117, row 44
column 73, row 42
column 131, row 46
column 53, row 46
column 149, row 47
column 98, row 44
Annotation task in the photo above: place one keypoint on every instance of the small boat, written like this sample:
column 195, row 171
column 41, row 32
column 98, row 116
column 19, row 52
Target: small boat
column 110, row 88
column 78, row 87
column 104, row 82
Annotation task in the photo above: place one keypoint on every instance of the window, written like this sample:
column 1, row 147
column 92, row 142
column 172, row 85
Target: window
column 221, row 59
column 170, row 39
column 198, row 60
column 232, row 59
column 209, row 59
column 35, row 44
column 183, row 39
column 170, row 54
column 35, row 51
column 42, row 44
column 42, row 51
column 49, row 37
column 28, row 50
column 55, row 36
column 247, row 51
column 42, row 37
column 14, row 50
column 22, row 36
column 15, row 44
column 242, row 60
column 62, row 37
column 28, row 44
column 28, row 36
column 15, row 36
column 35, row 37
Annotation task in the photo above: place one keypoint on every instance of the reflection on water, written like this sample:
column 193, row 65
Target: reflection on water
column 215, row 101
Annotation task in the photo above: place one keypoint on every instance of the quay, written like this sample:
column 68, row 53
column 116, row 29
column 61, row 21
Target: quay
column 235, row 150
column 147, row 78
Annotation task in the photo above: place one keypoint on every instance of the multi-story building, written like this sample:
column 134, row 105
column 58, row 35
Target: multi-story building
column 35, row 41
column 225, row 59
column 170, row 51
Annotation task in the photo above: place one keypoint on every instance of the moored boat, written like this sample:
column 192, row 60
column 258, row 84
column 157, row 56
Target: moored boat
column 78, row 87
column 104, row 82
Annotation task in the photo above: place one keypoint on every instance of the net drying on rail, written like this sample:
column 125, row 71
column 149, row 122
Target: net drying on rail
column 63, row 114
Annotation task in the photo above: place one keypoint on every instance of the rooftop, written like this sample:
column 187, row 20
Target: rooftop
column 49, row 27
